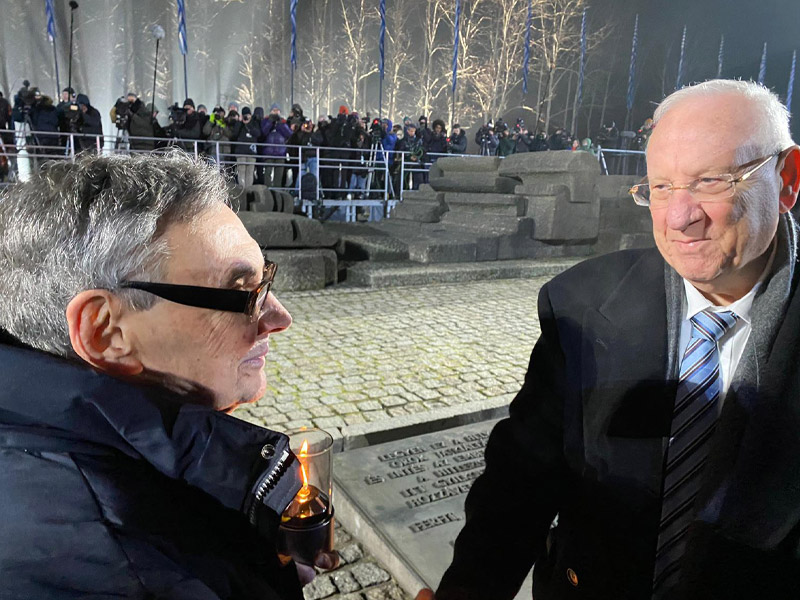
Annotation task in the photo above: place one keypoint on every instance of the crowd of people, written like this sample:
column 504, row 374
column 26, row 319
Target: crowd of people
column 345, row 154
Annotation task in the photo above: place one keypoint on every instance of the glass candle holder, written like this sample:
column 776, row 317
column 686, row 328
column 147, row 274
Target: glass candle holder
column 306, row 527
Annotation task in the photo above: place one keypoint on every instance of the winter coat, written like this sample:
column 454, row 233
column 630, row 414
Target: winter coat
column 412, row 145
column 115, row 489
column 144, row 125
column 44, row 118
column 275, row 132
column 458, row 143
column 506, row 145
column 5, row 114
column 241, row 133
column 92, row 125
column 436, row 144
column 216, row 132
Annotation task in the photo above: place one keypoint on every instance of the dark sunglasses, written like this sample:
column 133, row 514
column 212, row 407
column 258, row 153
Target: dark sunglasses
column 238, row 301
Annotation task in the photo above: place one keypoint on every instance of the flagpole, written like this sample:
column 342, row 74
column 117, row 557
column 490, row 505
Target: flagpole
column 681, row 62
column 791, row 83
column 293, row 55
column 762, row 68
column 381, row 65
column 632, row 75
column 527, row 56
column 456, row 34
column 51, row 33
column 581, row 72
column 182, row 44
column 720, row 56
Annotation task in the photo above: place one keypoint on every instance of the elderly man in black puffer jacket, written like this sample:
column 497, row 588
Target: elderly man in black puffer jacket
column 136, row 313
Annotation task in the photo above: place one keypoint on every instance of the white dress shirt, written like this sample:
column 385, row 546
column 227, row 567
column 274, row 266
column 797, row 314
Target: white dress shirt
column 731, row 347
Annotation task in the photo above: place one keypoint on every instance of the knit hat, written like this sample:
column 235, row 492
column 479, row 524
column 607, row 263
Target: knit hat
column 188, row 102
column 343, row 110
column 456, row 126
column 275, row 106
column 232, row 105
column 406, row 120
column 246, row 111
column 201, row 106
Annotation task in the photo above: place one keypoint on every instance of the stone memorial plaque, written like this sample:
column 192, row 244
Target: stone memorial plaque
column 404, row 500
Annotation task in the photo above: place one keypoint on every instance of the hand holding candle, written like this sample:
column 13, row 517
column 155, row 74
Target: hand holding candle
column 306, row 528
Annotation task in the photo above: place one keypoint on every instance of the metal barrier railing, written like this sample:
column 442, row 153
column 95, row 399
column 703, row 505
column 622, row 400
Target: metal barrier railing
column 614, row 161
column 344, row 178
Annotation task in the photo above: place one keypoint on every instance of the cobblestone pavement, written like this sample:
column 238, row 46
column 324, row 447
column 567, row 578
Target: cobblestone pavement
column 369, row 355
column 365, row 355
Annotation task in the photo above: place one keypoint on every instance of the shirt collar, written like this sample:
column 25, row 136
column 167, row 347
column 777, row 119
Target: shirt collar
column 696, row 302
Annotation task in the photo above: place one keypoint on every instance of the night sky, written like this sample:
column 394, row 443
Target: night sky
column 746, row 25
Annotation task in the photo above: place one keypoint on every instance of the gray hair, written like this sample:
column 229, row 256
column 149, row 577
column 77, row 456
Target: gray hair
column 772, row 130
column 91, row 224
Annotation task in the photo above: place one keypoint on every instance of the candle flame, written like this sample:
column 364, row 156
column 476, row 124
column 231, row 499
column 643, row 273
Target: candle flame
column 305, row 491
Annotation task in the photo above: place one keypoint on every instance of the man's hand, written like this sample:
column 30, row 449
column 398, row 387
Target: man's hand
column 324, row 561
column 425, row 594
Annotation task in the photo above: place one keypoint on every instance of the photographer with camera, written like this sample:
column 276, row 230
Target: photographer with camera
column 560, row 140
column 343, row 133
column 457, row 142
column 144, row 124
column 411, row 144
column 91, row 125
column 275, row 132
column 216, row 131
column 184, row 125
column 523, row 138
column 506, row 144
column 608, row 136
column 41, row 117
column 486, row 139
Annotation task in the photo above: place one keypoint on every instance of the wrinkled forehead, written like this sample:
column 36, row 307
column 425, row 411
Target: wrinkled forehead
column 706, row 130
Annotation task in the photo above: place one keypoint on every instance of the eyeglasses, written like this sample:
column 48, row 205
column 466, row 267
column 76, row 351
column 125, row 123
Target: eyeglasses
column 238, row 301
column 703, row 189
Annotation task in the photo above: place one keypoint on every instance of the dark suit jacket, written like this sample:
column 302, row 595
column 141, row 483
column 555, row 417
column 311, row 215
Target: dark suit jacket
column 586, row 440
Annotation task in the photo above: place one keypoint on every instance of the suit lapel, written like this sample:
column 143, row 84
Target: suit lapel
column 627, row 402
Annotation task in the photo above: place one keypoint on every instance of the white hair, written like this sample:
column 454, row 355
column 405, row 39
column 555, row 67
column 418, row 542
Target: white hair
column 91, row 224
column 772, row 130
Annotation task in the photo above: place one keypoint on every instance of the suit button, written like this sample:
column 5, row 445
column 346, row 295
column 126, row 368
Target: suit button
column 572, row 577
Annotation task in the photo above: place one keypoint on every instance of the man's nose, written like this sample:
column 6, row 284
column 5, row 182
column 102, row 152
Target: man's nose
column 275, row 318
column 683, row 210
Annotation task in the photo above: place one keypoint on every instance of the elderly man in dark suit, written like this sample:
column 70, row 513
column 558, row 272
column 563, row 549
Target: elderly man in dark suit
column 660, row 416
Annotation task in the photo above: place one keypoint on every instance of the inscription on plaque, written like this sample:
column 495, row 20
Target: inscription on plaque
column 411, row 492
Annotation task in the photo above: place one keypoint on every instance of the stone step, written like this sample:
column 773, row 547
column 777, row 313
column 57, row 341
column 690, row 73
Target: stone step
column 378, row 275
column 422, row 210
column 475, row 183
column 503, row 204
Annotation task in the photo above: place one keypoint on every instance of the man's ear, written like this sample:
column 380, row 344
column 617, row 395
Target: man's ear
column 790, row 178
column 96, row 336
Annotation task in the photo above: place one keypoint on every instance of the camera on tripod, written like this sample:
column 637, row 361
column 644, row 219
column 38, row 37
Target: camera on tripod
column 72, row 117
column 177, row 115
column 123, row 113
column 376, row 131
column 27, row 97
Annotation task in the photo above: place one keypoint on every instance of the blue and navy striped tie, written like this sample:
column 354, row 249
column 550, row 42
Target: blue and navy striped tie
column 694, row 419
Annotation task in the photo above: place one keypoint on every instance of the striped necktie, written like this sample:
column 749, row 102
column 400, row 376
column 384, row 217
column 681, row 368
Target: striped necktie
column 694, row 419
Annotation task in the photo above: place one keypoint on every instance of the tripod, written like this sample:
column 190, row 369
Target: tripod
column 123, row 141
column 377, row 145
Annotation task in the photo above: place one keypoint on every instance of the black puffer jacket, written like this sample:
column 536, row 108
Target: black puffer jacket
column 109, row 489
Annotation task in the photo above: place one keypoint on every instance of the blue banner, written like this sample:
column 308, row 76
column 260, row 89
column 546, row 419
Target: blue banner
column 527, row 58
column 182, row 27
column 791, row 83
column 583, row 58
column 51, row 21
column 721, row 55
column 632, row 71
column 293, row 18
column 382, row 41
column 762, row 68
column 456, row 33
column 681, row 81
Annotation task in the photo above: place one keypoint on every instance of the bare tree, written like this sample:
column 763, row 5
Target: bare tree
column 433, row 74
column 358, row 24
column 399, row 55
